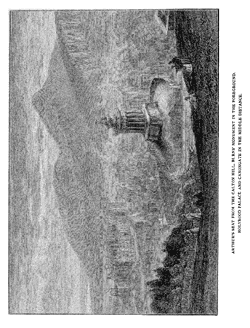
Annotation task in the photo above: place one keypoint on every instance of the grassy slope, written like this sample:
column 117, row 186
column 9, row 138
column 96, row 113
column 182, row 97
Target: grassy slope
column 197, row 37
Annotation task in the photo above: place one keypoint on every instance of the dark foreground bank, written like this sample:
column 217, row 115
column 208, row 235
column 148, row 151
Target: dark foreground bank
column 197, row 38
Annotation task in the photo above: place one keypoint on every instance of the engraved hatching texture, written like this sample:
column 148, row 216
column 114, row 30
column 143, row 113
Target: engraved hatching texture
column 112, row 195
column 122, row 76
column 44, row 272
column 198, row 37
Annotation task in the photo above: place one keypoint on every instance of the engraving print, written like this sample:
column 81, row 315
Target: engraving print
column 113, row 162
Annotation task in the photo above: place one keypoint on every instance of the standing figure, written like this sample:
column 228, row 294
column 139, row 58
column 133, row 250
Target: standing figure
column 181, row 63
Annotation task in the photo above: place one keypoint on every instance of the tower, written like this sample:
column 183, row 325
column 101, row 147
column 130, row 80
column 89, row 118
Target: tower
column 147, row 121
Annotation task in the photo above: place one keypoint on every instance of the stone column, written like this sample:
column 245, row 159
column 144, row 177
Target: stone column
column 148, row 121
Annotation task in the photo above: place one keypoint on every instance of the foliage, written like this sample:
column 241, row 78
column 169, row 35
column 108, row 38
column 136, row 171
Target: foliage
column 163, row 286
